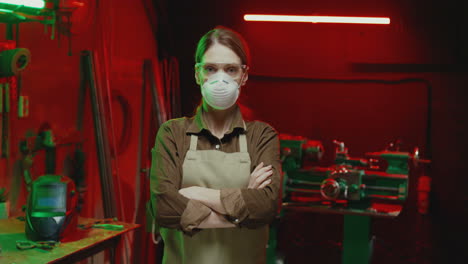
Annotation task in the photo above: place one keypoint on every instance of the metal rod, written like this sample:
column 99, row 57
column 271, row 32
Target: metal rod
column 377, row 188
column 384, row 197
column 301, row 190
column 291, row 181
column 6, row 121
column 9, row 31
column 81, row 97
column 154, row 93
column 107, row 186
column 141, row 132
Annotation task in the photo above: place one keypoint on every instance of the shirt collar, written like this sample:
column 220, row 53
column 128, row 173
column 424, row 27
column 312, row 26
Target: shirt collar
column 199, row 124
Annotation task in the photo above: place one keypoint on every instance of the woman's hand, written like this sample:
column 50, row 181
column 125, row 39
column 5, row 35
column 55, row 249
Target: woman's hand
column 259, row 178
column 207, row 196
column 215, row 220
column 191, row 192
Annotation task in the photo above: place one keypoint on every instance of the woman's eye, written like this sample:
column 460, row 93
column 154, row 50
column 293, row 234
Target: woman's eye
column 232, row 70
column 210, row 69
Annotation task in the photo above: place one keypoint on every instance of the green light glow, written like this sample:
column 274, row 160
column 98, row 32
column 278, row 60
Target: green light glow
column 26, row 3
column 5, row 10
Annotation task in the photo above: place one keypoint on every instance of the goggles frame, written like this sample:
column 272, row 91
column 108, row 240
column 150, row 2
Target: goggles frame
column 243, row 68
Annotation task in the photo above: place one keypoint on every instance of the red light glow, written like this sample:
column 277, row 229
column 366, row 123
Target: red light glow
column 79, row 4
column 318, row 19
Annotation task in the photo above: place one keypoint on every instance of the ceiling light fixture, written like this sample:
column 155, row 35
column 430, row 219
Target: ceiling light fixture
column 318, row 19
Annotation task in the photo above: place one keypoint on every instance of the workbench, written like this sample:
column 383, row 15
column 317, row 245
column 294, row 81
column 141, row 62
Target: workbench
column 83, row 243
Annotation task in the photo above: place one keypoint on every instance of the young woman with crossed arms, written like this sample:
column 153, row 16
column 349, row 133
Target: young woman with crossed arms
column 215, row 177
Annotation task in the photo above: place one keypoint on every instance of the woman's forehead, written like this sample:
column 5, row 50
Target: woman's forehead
column 220, row 54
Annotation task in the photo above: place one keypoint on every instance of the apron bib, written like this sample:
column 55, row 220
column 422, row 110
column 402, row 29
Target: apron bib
column 217, row 170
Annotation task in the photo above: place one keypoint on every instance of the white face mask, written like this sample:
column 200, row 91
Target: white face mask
column 220, row 91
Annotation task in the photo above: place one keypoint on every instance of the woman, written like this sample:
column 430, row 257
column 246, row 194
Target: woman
column 215, row 177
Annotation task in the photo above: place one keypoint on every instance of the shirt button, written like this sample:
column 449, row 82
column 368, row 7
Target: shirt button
column 217, row 146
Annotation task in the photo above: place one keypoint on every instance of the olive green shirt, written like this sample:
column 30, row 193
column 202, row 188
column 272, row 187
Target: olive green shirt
column 251, row 207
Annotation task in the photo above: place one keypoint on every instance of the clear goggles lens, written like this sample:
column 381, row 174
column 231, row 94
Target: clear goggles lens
column 232, row 69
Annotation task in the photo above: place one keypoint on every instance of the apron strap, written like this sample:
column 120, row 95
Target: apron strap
column 243, row 140
column 193, row 142
column 242, row 143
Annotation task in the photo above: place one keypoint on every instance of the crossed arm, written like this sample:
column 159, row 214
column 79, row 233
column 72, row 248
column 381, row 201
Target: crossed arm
column 259, row 178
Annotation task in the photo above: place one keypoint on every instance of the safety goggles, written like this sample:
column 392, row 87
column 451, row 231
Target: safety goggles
column 234, row 70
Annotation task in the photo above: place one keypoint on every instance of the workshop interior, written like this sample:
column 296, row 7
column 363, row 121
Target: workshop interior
column 368, row 98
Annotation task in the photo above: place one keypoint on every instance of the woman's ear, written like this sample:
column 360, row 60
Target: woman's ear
column 197, row 77
column 244, row 80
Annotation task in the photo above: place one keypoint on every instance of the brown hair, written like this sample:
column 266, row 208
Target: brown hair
column 226, row 37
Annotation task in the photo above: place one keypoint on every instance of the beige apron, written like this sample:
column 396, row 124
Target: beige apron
column 216, row 169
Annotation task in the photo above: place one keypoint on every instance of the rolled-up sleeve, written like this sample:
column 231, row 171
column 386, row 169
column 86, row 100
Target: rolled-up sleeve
column 253, row 208
column 171, row 209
